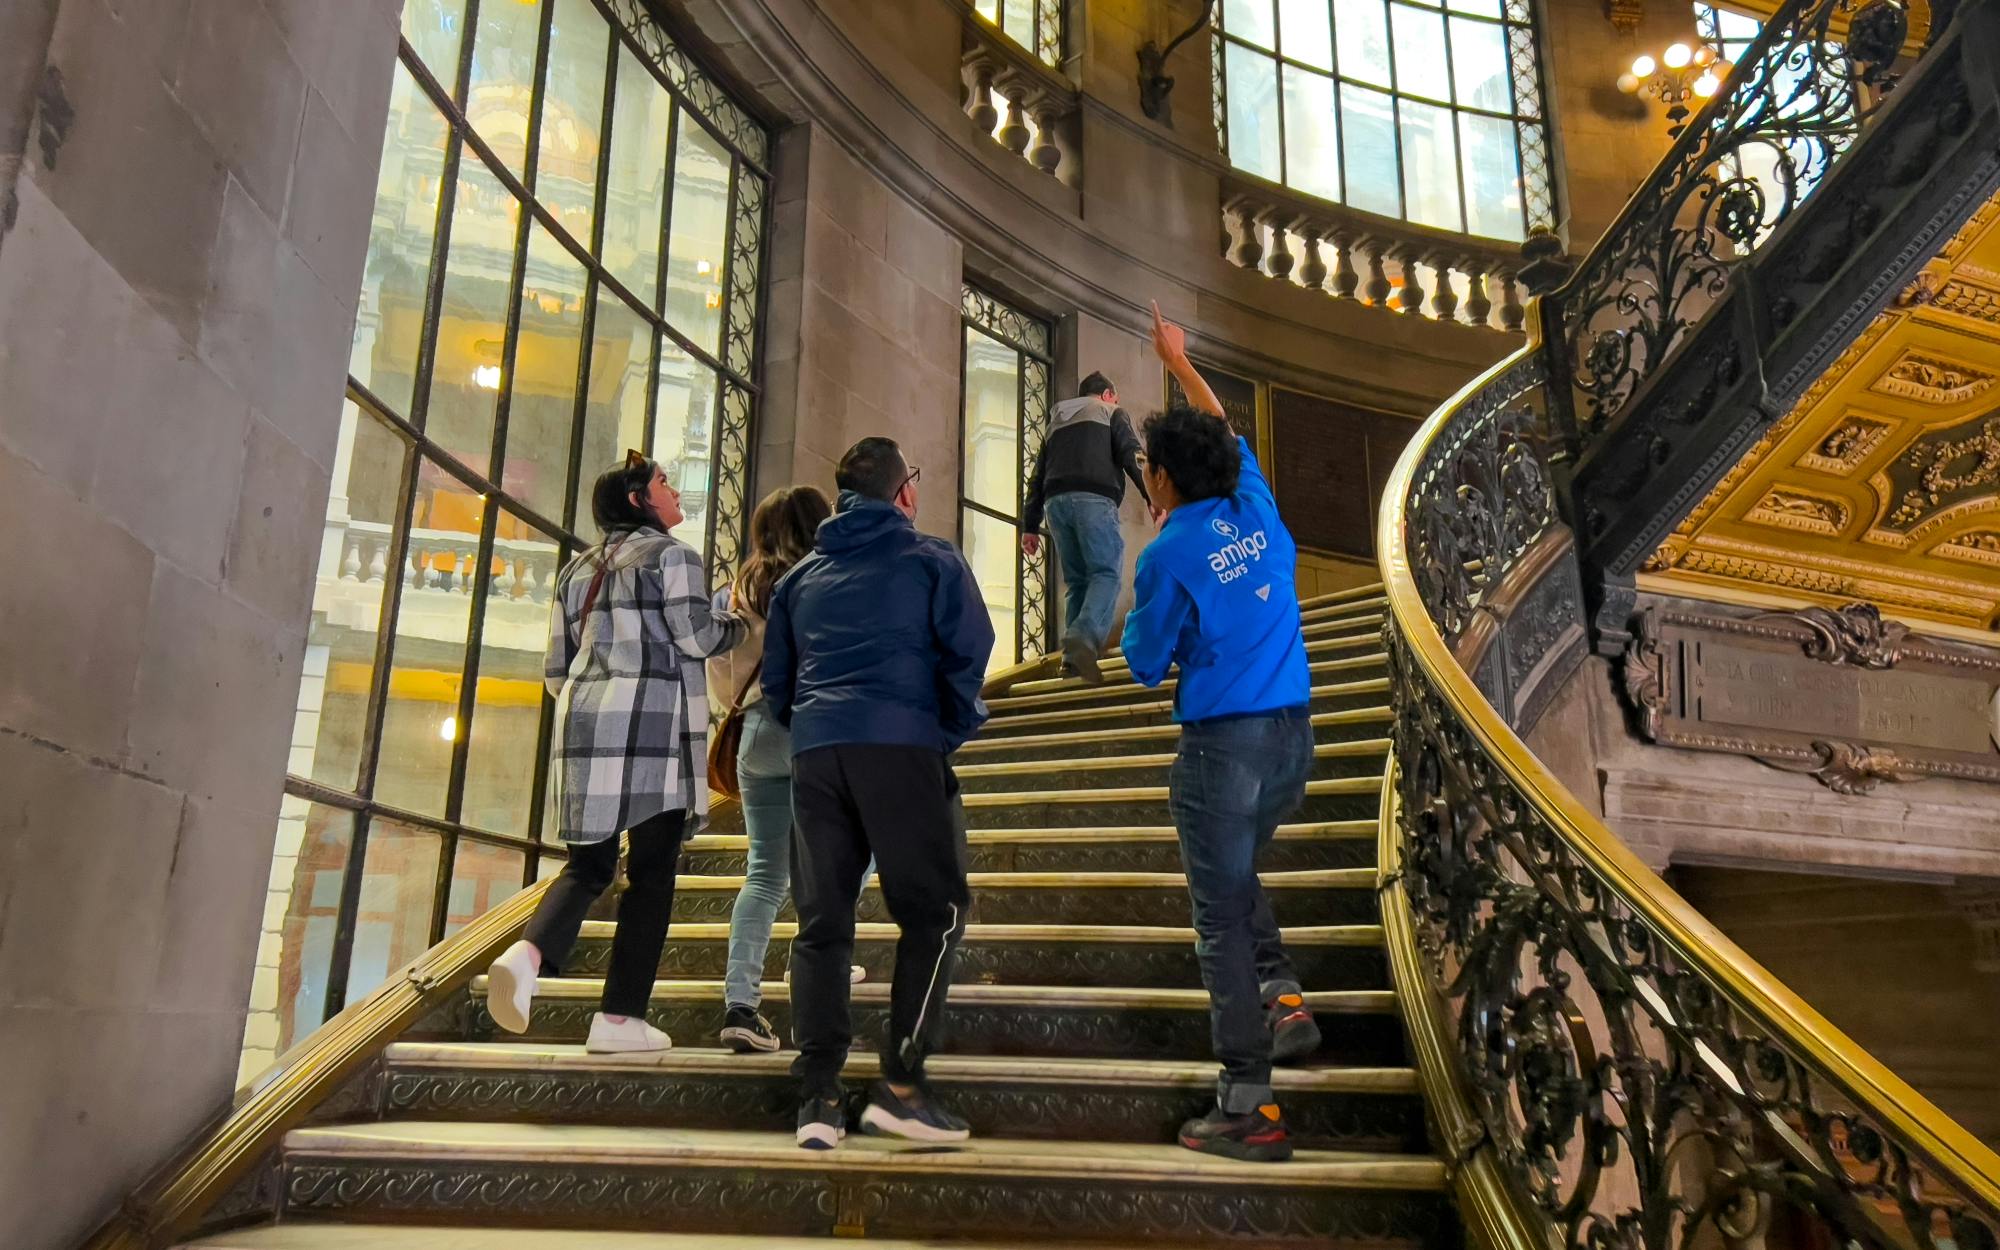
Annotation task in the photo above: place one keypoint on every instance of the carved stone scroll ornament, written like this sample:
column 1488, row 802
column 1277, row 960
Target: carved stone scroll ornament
column 1853, row 634
column 1846, row 768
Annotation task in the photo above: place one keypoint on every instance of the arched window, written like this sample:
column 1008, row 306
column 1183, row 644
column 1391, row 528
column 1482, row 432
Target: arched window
column 1429, row 110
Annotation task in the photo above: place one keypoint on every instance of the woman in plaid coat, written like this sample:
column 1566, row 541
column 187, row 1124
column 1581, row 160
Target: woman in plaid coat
column 631, row 624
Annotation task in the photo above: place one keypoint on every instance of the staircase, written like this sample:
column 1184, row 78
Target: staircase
column 1078, row 1039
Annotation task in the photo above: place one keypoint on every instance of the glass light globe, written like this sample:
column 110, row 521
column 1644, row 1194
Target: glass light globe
column 1644, row 67
column 1628, row 84
column 1678, row 55
column 1703, row 55
column 1705, row 85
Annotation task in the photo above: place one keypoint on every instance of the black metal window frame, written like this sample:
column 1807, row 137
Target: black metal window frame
column 1047, row 37
column 1527, row 87
column 1032, row 338
column 635, row 32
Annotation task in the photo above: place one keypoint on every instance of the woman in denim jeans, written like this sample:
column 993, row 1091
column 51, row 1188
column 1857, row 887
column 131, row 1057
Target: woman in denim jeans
column 781, row 534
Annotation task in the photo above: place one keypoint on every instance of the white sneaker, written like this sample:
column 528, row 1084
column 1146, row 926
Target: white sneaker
column 629, row 1036
column 856, row 974
column 510, row 986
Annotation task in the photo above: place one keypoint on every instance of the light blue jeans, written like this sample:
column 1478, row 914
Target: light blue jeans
column 764, row 770
column 1091, row 551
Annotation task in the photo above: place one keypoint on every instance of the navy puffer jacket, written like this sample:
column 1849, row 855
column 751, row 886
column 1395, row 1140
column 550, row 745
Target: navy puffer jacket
column 879, row 636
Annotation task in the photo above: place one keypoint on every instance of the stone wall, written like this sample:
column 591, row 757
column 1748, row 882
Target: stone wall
column 1893, row 964
column 186, row 188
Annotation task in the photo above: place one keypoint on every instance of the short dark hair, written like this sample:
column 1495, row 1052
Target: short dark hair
column 611, row 503
column 1095, row 384
column 873, row 467
column 1196, row 451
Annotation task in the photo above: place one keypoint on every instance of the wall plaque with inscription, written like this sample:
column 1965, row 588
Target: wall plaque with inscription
column 1237, row 394
column 1844, row 695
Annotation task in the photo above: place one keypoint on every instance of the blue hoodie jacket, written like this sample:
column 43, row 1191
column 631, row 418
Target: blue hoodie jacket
column 880, row 635
column 1215, row 592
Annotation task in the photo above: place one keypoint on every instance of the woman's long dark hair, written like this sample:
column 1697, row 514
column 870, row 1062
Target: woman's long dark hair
column 611, row 503
column 781, row 535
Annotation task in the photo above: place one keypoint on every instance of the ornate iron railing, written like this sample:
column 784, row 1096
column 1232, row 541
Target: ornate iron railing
column 1612, row 1072
column 1795, row 102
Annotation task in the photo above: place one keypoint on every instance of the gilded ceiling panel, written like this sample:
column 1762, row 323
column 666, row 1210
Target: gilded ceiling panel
column 1883, row 481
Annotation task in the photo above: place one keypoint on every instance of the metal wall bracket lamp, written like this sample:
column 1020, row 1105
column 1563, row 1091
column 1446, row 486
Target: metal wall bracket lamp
column 1155, row 86
column 1679, row 75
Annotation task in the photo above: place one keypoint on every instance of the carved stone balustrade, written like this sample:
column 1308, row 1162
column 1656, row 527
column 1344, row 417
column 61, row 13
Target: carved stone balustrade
column 1391, row 264
column 443, row 561
column 1028, row 108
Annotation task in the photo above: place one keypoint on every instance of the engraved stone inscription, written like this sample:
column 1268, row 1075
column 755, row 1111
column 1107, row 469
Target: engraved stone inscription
column 1731, row 684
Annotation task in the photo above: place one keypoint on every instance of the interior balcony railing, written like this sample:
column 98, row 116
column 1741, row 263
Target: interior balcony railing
column 1606, row 1068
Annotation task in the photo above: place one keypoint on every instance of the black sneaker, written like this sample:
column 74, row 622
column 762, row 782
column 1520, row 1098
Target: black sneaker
column 1081, row 658
column 917, row 1117
column 822, row 1123
column 1256, row 1137
column 1294, row 1032
column 743, row 1031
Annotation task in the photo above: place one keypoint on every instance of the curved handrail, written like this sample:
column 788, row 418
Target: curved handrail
column 1639, row 1079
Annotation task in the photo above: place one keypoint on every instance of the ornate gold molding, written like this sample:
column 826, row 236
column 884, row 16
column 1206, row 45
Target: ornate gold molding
column 1932, row 379
column 1785, row 508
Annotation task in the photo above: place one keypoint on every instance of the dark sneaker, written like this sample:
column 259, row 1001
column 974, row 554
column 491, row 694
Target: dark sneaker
column 1081, row 658
column 916, row 1117
column 1294, row 1032
column 1256, row 1137
column 743, row 1031
column 822, row 1123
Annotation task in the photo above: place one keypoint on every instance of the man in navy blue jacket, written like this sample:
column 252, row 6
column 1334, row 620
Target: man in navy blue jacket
column 1215, row 595
column 874, row 654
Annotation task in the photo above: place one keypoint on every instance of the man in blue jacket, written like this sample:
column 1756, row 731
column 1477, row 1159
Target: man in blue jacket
column 874, row 653
column 1215, row 594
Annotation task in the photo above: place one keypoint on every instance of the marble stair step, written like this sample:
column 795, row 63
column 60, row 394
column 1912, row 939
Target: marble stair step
column 1326, row 798
column 1110, row 693
column 1359, row 1027
column 310, row 1236
column 1094, row 848
column 1116, row 670
column 1330, row 759
column 689, row 1180
column 1047, row 1098
column 1368, row 721
column 1328, row 697
column 1157, row 956
column 1364, row 620
column 1339, row 896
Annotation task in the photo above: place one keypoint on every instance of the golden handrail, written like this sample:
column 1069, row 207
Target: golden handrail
column 1948, row 1153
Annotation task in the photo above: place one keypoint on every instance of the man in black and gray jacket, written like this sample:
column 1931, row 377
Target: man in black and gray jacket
column 1077, row 485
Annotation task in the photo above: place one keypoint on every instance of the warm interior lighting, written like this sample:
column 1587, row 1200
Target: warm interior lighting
column 1644, row 67
column 1705, row 86
column 1628, row 83
column 1678, row 55
column 486, row 377
column 702, row 267
column 1703, row 55
column 448, row 730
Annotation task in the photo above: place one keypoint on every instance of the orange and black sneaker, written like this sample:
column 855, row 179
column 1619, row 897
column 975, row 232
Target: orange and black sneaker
column 1257, row 1137
column 1294, row 1033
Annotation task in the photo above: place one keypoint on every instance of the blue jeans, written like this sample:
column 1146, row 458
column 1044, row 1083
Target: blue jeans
column 1091, row 552
column 1233, row 782
column 764, row 769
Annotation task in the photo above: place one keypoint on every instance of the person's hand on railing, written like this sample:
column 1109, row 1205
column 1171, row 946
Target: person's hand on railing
column 1031, row 544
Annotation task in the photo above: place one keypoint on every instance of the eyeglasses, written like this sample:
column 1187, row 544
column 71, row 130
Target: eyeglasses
column 910, row 480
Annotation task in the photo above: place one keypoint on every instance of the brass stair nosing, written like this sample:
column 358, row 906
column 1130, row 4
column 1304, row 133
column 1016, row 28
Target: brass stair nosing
column 1294, row 878
column 1076, row 692
column 1302, row 936
column 1367, row 1002
column 1317, row 788
column 1320, row 720
column 968, row 1069
column 1090, row 763
column 1377, row 685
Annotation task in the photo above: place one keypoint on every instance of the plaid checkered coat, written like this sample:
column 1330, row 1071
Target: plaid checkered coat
column 631, row 697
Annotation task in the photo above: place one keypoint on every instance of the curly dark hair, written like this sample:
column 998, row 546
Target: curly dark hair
column 1196, row 451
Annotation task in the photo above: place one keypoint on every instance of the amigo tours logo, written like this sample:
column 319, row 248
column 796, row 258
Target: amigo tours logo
column 1238, row 551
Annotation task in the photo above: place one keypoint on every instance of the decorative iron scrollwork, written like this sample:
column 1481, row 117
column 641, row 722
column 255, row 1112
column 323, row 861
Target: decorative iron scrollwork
column 1795, row 102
